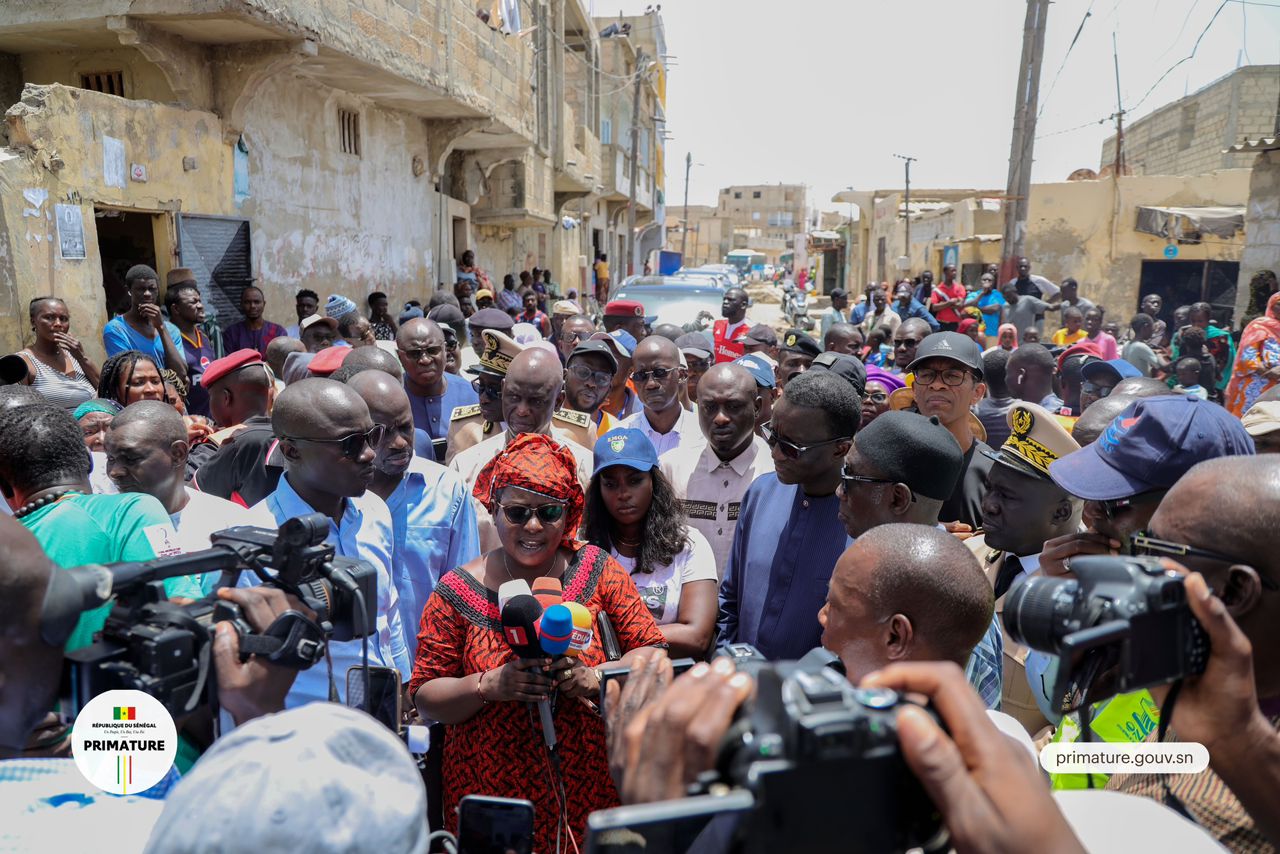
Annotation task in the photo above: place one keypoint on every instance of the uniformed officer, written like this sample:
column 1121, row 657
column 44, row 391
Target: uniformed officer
column 1022, row 509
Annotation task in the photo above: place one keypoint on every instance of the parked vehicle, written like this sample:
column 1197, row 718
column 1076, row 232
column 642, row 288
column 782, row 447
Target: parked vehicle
column 692, row 305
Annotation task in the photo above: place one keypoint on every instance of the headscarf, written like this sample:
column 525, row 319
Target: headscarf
column 891, row 382
column 965, row 325
column 539, row 464
column 1259, row 352
column 1007, row 327
column 97, row 404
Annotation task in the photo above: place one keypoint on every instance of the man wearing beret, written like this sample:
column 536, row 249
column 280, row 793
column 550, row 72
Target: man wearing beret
column 627, row 314
column 240, row 396
column 796, row 353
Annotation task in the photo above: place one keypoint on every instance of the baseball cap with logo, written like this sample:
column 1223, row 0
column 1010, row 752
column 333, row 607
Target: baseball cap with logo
column 760, row 369
column 1149, row 446
column 949, row 345
column 621, row 341
column 625, row 446
column 1036, row 441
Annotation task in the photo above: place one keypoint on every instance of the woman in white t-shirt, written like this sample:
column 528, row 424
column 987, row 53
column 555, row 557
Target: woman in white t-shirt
column 632, row 511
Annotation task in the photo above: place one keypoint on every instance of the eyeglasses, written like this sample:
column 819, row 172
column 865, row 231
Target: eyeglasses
column 951, row 376
column 418, row 355
column 352, row 444
column 450, row 342
column 791, row 449
column 1112, row 509
column 877, row 397
column 907, row 342
column 1145, row 545
column 567, row 337
column 585, row 374
column 519, row 514
column 847, row 479
column 1095, row 389
column 658, row 374
column 489, row 390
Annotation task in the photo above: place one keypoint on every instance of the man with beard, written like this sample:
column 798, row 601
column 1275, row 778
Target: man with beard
column 432, row 518
column 433, row 392
column 254, row 331
column 318, row 332
column 789, row 533
column 588, row 376
column 796, row 354
column 729, row 331
column 710, row 480
column 658, row 376
column 329, row 442
column 1022, row 509
column 471, row 425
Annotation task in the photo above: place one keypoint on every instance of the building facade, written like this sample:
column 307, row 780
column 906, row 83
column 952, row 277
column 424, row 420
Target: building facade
column 765, row 217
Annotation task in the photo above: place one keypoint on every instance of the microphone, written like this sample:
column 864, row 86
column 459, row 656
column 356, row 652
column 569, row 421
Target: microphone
column 548, row 591
column 583, row 629
column 510, row 589
column 519, row 626
column 555, row 629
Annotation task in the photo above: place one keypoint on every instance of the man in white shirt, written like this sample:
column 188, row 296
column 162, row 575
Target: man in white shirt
column 658, row 376
column 147, row 453
column 710, row 479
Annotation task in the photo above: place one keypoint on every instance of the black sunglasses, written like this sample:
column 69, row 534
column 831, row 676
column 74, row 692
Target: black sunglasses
column 352, row 444
column 1145, row 545
column 484, row 389
column 417, row 355
column 1096, row 390
column 847, row 479
column 658, row 374
column 789, row 448
column 519, row 514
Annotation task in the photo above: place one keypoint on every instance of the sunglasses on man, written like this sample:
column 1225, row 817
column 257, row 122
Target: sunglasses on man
column 351, row 445
column 790, row 449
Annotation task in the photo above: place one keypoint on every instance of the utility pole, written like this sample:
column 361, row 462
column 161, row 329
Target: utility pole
column 684, row 232
column 1022, row 146
column 1118, row 168
column 641, row 60
column 906, row 219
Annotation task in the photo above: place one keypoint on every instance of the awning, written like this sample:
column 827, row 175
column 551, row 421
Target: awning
column 1190, row 222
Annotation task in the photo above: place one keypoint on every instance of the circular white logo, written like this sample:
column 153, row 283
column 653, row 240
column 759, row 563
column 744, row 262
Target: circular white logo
column 124, row 741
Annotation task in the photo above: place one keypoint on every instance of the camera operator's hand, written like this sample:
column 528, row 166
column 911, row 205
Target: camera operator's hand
column 250, row 689
column 516, row 681
column 673, row 739
column 991, row 795
column 649, row 678
column 1055, row 560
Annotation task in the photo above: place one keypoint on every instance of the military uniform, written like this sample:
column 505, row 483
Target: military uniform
column 577, row 424
column 468, row 427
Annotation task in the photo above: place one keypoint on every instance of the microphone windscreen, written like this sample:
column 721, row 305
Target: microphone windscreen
column 583, row 629
column 555, row 629
column 519, row 625
column 515, row 587
column 548, row 591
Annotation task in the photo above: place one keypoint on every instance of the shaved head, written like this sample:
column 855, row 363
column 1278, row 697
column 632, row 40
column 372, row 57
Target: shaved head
column 389, row 407
column 159, row 421
column 1098, row 415
column 309, row 406
column 532, row 390
column 415, row 328
column 278, row 349
column 916, row 326
column 379, row 385
column 728, row 402
column 657, row 345
column 731, row 377
column 374, row 358
column 1140, row 387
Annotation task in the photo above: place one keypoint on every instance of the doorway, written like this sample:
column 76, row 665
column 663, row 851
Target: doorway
column 460, row 242
column 125, row 238
column 1184, row 282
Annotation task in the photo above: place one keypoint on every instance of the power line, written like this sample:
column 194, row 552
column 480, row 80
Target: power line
column 1058, row 73
column 1194, row 48
column 1076, row 128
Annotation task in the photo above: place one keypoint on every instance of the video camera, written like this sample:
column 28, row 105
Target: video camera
column 164, row 649
column 812, row 763
column 1121, row 624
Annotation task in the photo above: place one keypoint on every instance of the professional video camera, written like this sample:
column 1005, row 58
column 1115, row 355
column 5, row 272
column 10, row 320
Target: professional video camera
column 164, row 649
column 1121, row 624
column 812, row 764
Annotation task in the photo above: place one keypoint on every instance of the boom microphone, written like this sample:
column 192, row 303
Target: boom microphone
column 583, row 629
column 519, row 626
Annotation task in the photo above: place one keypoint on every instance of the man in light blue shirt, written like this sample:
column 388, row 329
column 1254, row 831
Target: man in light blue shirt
column 906, row 305
column 143, row 327
column 433, row 521
column 433, row 392
column 328, row 442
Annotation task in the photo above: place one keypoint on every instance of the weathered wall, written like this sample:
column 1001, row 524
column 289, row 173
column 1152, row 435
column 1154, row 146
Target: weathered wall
column 143, row 80
column 1262, row 225
column 56, row 152
column 329, row 221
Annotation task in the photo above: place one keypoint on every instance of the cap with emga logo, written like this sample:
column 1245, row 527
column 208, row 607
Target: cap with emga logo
column 625, row 446
column 950, row 345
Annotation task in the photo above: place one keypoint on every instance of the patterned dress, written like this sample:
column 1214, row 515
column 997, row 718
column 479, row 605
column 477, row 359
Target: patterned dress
column 499, row 751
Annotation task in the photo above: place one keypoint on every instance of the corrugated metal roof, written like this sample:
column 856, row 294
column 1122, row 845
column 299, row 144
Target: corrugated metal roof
column 1264, row 143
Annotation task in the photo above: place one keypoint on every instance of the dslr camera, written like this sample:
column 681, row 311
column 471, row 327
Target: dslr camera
column 164, row 649
column 1121, row 624
column 812, row 764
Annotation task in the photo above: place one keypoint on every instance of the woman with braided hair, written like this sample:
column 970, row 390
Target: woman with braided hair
column 467, row 677
column 132, row 376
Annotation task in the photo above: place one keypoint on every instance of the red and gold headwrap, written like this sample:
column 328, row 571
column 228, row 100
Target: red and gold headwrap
column 539, row 464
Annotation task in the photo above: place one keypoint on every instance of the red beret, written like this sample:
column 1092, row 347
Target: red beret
column 624, row 308
column 229, row 363
column 1086, row 347
column 328, row 360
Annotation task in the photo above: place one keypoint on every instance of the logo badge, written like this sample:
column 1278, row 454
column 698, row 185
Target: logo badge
column 124, row 742
column 617, row 443
column 1022, row 421
column 791, row 340
column 1115, row 432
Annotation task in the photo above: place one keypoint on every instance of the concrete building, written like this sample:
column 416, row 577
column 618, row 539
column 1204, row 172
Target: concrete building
column 1261, row 223
column 710, row 235
column 1194, row 135
column 342, row 145
column 765, row 217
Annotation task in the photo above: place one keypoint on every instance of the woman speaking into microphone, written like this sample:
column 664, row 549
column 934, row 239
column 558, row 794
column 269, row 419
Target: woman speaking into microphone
column 467, row 677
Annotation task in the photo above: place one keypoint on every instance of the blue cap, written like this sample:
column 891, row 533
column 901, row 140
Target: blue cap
column 625, row 338
column 1150, row 445
column 761, row 370
column 1113, row 369
column 625, row 446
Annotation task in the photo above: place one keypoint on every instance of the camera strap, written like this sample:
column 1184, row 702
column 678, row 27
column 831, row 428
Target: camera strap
column 292, row 640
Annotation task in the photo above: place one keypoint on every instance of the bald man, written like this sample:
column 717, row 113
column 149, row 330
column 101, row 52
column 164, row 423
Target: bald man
column 375, row 358
column 710, row 478
column 328, row 443
column 277, row 351
column 1098, row 416
column 905, row 593
column 658, row 377
column 531, row 392
column 1224, row 509
column 433, row 392
column 431, row 514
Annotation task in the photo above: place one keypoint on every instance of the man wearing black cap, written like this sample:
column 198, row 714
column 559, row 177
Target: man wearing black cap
column 697, row 350
column 797, row 353
column 761, row 339
column 948, row 381
column 844, row 366
column 485, row 318
column 588, row 376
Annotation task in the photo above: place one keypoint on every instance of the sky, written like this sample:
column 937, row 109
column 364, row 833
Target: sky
column 825, row 92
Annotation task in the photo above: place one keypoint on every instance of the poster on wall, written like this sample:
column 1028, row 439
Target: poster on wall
column 70, row 231
column 113, row 168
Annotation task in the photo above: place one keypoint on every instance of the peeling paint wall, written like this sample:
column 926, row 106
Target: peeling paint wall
column 143, row 81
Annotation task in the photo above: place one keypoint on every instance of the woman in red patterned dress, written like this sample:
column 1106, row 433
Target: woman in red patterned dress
column 467, row 677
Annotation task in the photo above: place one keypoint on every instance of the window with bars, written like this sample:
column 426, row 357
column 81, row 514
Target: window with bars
column 106, row 82
column 349, row 132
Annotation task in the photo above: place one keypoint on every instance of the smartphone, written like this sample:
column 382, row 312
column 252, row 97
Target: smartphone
column 384, row 689
column 495, row 825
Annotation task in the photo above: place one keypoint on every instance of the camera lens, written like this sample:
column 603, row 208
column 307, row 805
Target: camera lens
column 1029, row 610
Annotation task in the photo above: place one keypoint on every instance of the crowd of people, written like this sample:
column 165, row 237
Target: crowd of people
column 876, row 493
